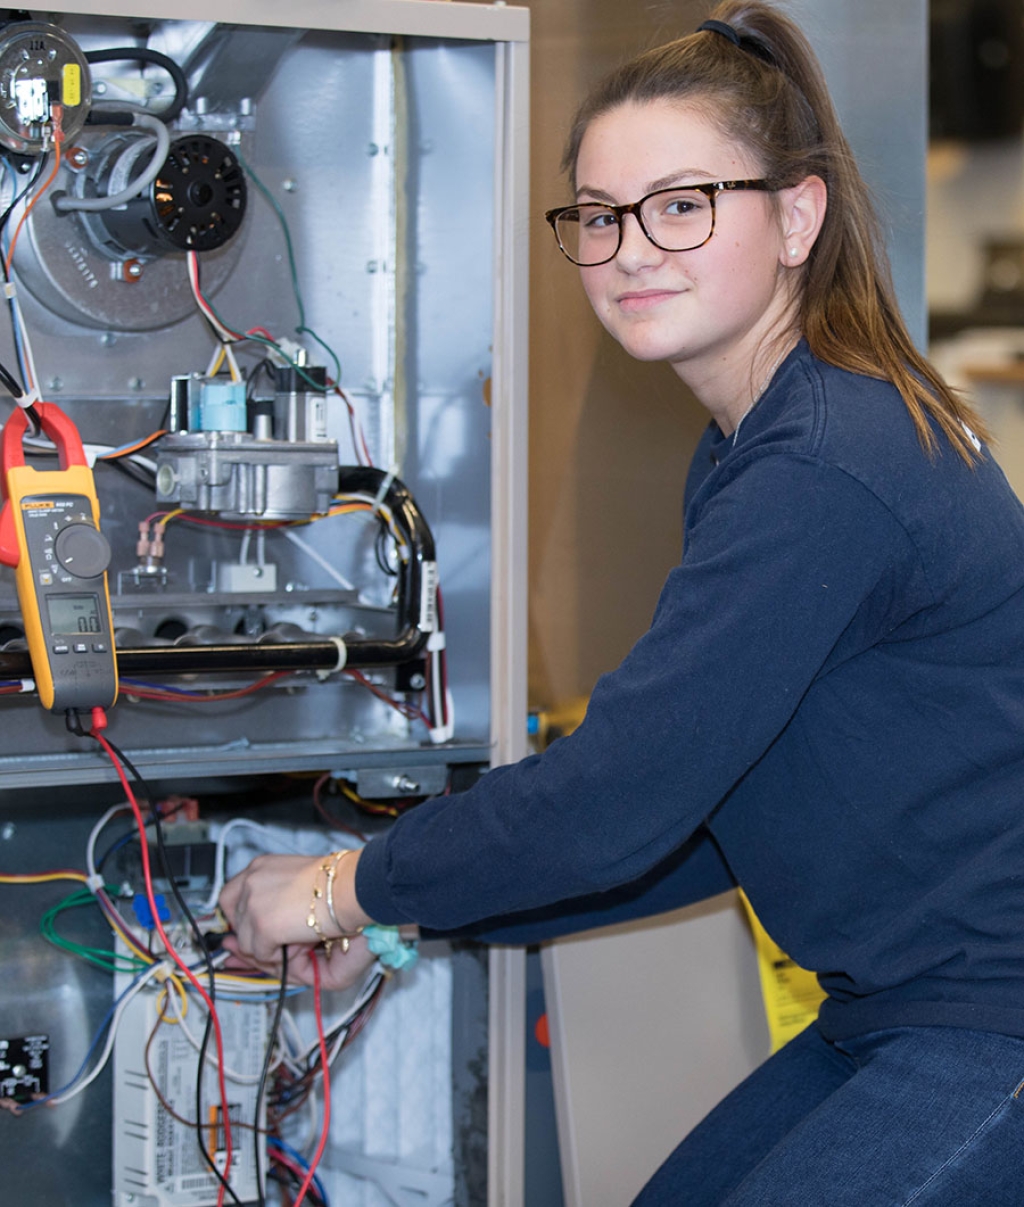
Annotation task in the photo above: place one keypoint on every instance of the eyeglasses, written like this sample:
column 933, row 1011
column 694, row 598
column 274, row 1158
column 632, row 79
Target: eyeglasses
column 677, row 219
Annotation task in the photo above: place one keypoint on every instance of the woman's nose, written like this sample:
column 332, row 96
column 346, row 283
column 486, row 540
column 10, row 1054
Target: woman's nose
column 635, row 249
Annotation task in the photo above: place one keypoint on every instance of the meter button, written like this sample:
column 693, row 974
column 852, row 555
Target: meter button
column 82, row 550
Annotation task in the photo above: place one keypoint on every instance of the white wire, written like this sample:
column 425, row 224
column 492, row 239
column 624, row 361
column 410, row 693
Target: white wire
column 220, row 856
column 115, row 1022
column 294, row 1040
column 211, row 1057
column 345, row 1021
column 90, row 846
column 32, row 385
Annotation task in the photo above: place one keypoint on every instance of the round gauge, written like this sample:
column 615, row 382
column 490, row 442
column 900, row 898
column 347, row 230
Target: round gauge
column 40, row 67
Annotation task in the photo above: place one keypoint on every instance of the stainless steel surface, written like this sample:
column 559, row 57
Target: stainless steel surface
column 381, row 158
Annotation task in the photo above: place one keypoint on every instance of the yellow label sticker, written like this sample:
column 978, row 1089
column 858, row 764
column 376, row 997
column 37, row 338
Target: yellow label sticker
column 71, row 85
column 791, row 994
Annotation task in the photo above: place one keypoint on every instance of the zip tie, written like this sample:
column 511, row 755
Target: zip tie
column 94, row 883
column 436, row 640
column 28, row 685
column 385, row 486
column 342, row 659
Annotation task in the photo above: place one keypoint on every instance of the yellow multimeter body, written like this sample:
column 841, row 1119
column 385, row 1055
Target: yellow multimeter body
column 50, row 534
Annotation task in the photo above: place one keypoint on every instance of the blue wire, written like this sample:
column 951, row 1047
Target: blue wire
column 26, row 1106
column 300, row 1160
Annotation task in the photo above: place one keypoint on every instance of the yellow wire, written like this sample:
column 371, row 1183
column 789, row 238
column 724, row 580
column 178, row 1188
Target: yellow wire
column 163, row 997
column 42, row 877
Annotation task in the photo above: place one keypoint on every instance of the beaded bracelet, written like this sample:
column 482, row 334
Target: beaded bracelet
column 313, row 922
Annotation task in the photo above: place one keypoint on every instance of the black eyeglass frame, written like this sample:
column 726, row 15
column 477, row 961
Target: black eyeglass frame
column 710, row 190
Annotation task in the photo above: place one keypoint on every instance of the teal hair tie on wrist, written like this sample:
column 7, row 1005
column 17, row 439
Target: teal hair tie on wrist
column 390, row 948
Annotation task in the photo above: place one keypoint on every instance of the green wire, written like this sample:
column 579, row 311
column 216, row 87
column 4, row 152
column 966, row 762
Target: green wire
column 109, row 961
column 287, row 235
column 301, row 328
column 259, row 339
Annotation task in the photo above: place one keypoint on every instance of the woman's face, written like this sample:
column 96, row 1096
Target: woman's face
column 708, row 310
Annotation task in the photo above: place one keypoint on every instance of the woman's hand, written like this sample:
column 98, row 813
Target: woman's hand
column 268, row 906
column 343, row 970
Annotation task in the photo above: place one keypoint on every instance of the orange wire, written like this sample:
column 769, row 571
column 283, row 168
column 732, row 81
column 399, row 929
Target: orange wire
column 58, row 138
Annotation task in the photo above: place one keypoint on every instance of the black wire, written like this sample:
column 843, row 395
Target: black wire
column 33, row 180
column 11, row 384
column 380, row 550
column 265, row 1073
column 207, row 959
column 138, row 473
column 143, row 54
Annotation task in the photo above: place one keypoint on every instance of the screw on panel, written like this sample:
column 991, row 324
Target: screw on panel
column 55, row 384
column 405, row 785
column 289, row 185
column 77, row 158
column 135, row 383
column 8, row 831
column 132, row 270
column 372, row 150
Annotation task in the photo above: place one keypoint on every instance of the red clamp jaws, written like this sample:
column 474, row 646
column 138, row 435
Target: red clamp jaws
column 64, row 435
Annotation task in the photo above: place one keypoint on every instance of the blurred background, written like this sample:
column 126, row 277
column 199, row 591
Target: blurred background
column 610, row 439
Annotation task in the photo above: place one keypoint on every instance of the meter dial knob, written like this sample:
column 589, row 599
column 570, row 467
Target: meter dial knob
column 82, row 550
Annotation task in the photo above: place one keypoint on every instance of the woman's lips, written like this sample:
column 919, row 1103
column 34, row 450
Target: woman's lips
column 644, row 299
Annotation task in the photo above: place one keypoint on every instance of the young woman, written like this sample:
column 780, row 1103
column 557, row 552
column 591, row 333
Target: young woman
column 828, row 708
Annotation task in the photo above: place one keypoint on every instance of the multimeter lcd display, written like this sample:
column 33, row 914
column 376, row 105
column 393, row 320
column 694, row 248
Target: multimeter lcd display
column 74, row 613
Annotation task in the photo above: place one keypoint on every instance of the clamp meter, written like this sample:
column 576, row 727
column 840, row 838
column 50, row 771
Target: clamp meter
column 49, row 532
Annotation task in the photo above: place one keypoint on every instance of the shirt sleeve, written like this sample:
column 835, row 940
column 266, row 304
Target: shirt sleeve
column 784, row 556
column 693, row 872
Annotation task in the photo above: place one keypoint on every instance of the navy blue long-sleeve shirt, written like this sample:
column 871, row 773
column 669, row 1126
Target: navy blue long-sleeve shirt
column 828, row 709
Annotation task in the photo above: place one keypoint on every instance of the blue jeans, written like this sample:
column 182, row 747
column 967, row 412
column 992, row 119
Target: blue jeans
column 922, row 1116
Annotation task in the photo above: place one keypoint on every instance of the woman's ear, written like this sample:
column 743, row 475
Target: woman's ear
column 803, row 211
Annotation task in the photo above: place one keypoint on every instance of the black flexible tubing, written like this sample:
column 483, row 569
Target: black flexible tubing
column 143, row 54
column 315, row 654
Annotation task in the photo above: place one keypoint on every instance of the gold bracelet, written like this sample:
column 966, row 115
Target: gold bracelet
column 311, row 919
column 330, row 869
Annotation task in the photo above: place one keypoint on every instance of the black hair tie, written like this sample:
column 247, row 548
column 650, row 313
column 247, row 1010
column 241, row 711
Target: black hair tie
column 752, row 46
column 720, row 27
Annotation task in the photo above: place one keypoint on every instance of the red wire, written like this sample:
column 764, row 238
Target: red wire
column 156, row 693
column 189, row 974
column 326, row 1079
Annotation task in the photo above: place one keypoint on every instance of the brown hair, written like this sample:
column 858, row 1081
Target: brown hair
column 768, row 94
